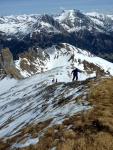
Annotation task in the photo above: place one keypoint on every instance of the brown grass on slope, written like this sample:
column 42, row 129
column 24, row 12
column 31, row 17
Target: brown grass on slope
column 87, row 130
column 91, row 130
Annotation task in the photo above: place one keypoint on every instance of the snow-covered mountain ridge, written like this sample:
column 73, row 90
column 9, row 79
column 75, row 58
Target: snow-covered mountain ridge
column 63, row 55
column 67, row 56
column 74, row 20
column 20, row 26
column 90, row 31
column 99, row 15
column 71, row 20
column 17, row 25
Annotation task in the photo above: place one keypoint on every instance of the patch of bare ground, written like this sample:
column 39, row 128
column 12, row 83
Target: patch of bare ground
column 87, row 130
column 93, row 67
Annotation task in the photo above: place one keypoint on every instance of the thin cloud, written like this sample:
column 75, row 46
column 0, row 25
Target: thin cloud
column 62, row 8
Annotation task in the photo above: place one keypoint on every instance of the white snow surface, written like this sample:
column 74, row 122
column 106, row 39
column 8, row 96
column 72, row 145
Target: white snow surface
column 23, row 24
column 69, row 16
column 65, row 15
column 6, row 84
column 96, row 14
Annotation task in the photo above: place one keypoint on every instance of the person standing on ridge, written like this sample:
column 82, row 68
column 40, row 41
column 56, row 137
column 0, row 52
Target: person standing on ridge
column 75, row 73
column 56, row 80
column 53, row 80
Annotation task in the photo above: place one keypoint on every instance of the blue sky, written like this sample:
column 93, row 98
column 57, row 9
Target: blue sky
column 16, row 7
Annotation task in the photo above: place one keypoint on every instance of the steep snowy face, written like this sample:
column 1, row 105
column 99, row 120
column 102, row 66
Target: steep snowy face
column 46, row 28
column 74, row 21
column 47, row 24
column 110, row 16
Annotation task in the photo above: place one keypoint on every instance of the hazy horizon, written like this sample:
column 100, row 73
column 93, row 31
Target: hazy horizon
column 19, row 7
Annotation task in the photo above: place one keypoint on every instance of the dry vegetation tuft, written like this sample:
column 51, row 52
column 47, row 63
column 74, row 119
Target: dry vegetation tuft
column 90, row 67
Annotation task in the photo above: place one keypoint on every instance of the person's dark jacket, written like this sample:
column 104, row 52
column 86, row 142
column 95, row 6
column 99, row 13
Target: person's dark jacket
column 75, row 72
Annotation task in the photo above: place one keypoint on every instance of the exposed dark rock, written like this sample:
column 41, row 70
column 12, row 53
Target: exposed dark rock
column 7, row 64
column 28, row 59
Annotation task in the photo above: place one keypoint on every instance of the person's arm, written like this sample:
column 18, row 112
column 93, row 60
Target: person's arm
column 72, row 71
column 79, row 70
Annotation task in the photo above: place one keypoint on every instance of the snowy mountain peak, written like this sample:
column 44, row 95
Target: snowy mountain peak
column 69, row 14
column 71, row 11
column 74, row 20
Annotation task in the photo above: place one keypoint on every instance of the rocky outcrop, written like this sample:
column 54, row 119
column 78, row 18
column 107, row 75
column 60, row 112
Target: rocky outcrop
column 48, row 19
column 7, row 64
column 33, row 60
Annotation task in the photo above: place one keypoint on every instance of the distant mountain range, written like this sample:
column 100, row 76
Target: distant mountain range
column 91, row 31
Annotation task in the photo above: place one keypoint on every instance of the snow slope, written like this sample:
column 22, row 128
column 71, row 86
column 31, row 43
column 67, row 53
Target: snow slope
column 36, row 99
column 6, row 84
column 61, row 57
column 66, row 57
column 22, row 24
column 30, row 101
column 72, row 20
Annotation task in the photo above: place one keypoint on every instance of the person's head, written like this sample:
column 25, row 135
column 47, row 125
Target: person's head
column 75, row 67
